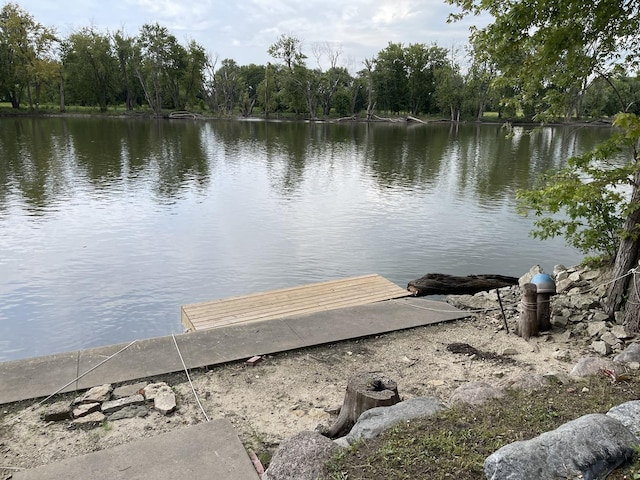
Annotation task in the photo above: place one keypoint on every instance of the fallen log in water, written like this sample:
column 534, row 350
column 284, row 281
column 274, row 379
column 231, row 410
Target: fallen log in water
column 443, row 284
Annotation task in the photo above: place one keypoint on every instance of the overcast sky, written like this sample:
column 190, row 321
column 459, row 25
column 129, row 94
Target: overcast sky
column 244, row 29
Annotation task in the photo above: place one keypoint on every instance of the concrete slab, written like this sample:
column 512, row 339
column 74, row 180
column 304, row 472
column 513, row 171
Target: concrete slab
column 210, row 451
column 42, row 376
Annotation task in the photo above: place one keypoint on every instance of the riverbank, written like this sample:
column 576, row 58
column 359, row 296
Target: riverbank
column 290, row 392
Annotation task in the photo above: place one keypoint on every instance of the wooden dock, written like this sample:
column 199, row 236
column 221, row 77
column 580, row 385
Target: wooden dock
column 288, row 302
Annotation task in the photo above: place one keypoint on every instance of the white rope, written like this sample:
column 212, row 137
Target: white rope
column 189, row 378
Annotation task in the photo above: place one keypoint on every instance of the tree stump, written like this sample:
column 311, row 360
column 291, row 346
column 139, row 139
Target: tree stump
column 528, row 320
column 364, row 391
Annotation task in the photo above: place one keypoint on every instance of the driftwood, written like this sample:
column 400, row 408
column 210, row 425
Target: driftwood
column 443, row 284
column 364, row 392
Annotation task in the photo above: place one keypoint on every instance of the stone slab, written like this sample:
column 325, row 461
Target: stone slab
column 210, row 451
column 42, row 376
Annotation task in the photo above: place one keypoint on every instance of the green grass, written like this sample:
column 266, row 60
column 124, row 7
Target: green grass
column 455, row 443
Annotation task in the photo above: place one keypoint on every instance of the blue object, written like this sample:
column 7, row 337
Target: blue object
column 544, row 283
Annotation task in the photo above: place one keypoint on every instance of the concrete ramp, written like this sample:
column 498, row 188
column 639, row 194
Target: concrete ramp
column 207, row 451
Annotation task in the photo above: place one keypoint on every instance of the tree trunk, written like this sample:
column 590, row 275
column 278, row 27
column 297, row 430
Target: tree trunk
column 626, row 259
column 364, row 392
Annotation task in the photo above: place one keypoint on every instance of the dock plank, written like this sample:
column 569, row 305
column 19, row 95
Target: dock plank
column 292, row 301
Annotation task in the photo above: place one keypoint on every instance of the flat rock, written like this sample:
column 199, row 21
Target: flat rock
column 628, row 414
column 90, row 421
column 630, row 354
column 589, row 447
column 115, row 405
column 301, row 457
column 132, row 411
column 57, row 412
column 595, row 329
column 373, row 422
column 128, row 390
column 98, row 394
column 475, row 393
column 85, row 409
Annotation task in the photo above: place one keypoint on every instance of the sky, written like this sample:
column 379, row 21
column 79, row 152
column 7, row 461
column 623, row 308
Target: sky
column 244, row 29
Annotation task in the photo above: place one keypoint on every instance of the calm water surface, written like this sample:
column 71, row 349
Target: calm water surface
column 107, row 226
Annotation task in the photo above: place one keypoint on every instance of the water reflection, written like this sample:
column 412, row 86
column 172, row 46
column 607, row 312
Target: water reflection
column 108, row 225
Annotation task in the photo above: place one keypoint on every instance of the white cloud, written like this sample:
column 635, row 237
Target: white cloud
column 244, row 29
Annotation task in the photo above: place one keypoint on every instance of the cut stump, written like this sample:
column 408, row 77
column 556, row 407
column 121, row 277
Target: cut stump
column 364, row 392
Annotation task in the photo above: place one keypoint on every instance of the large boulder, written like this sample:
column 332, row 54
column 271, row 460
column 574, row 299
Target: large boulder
column 591, row 446
column 302, row 457
column 373, row 422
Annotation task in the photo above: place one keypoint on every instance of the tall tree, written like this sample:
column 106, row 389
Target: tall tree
column 391, row 79
column 288, row 48
column 558, row 46
column 26, row 56
column 161, row 67
column 91, row 68
column 125, row 51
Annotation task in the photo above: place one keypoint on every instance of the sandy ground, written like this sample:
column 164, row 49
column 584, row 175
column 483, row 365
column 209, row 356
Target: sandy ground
column 290, row 392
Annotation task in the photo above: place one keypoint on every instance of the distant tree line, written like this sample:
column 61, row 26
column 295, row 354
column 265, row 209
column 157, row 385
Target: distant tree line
column 152, row 69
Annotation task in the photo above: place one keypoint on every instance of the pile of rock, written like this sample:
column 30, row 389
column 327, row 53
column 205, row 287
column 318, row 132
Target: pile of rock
column 104, row 402
column 576, row 309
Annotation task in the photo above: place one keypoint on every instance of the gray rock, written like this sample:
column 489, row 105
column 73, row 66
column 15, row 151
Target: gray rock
column 164, row 400
column 620, row 332
column 85, row 409
column 475, row 393
column 629, row 415
column 559, row 270
column 373, row 422
column 595, row 329
column 128, row 390
column 131, row 411
column 590, row 275
column 609, row 338
column 151, row 390
column 98, row 394
column 115, row 405
column 90, row 421
column 585, row 302
column 600, row 317
column 301, row 457
column 601, row 348
column 591, row 446
column 57, row 412
column 526, row 278
column 563, row 285
column 630, row 354
column 590, row 366
column 559, row 321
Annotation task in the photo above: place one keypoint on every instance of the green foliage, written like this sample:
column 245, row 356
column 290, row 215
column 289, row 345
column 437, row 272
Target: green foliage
column 589, row 199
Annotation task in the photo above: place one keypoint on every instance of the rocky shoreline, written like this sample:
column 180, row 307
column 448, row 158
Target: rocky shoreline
column 588, row 447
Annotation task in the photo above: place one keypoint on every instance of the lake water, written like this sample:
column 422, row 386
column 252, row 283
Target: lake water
column 107, row 226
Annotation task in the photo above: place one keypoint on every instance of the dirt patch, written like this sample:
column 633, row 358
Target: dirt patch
column 294, row 391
